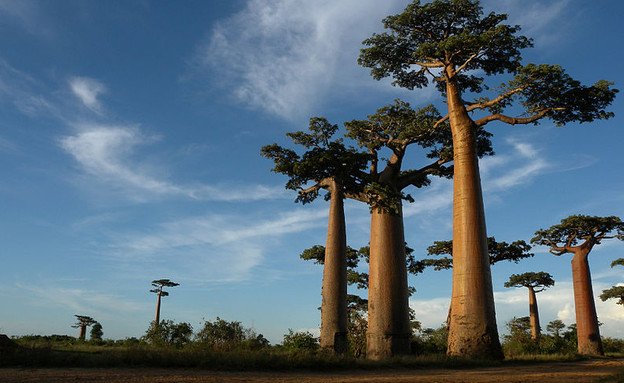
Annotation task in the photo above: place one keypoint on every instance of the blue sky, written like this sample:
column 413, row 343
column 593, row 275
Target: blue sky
column 129, row 151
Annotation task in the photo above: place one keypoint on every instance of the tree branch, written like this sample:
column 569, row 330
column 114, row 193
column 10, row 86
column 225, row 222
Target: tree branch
column 514, row 120
column 487, row 104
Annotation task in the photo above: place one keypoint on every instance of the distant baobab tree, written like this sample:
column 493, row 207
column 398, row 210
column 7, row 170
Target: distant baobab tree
column 535, row 282
column 615, row 292
column 578, row 234
column 159, row 284
column 82, row 322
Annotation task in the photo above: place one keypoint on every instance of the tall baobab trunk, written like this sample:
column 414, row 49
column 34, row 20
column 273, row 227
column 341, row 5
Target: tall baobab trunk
column 157, row 317
column 472, row 327
column 588, row 334
column 82, row 334
column 388, row 311
column 334, row 306
column 533, row 314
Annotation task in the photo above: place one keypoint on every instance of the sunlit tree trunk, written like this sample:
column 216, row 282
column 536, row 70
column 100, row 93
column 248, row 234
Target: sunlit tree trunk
column 589, row 342
column 83, row 332
column 472, row 327
column 334, row 306
column 388, row 312
column 157, row 317
column 533, row 314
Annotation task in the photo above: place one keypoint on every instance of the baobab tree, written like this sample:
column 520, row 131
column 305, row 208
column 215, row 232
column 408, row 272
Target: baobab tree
column 578, row 234
column 452, row 44
column 159, row 284
column 615, row 292
column 535, row 282
column 326, row 165
column 392, row 129
column 82, row 322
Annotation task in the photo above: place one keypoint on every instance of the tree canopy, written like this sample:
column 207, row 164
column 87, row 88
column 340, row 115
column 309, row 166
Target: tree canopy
column 538, row 281
column 160, row 283
column 83, row 321
column 452, row 40
column 325, row 158
column 579, row 229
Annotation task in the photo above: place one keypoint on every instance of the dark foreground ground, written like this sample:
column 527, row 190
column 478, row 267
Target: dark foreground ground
column 602, row 370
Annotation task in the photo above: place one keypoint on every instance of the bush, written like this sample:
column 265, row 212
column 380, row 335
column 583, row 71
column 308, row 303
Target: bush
column 431, row 341
column 167, row 333
column 300, row 340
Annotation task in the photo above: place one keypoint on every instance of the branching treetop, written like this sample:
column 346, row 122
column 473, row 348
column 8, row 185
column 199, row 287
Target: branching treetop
column 579, row 230
column 615, row 292
column 394, row 128
column 159, row 284
column 498, row 251
column 83, row 321
column 619, row 261
column 453, row 41
column 536, row 281
column 324, row 160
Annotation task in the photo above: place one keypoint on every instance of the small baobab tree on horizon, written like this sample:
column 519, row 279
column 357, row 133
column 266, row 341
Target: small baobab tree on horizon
column 159, row 284
column 535, row 282
column 578, row 234
column 453, row 46
column 82, row 322
column 615, row 292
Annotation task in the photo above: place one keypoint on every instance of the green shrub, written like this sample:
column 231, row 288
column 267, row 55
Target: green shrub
column 300, row 340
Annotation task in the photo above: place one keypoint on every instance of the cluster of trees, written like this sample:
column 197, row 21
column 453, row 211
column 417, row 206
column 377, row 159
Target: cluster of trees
column 453, row 46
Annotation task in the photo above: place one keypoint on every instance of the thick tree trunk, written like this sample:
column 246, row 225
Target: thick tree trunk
column 83, row 332
column 334, row 306
column 388, row 311
column 157, row 317
column 589, row 342
column 533, row 314
column 472, row 327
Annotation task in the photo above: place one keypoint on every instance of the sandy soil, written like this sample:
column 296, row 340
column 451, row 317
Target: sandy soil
column 577, row 372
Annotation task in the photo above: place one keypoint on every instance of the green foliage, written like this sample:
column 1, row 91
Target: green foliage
column 168, row 333
column 357, row 325
column 300, row 340
column 554, row 327
column 619, row 261
column 449, row 32
column 222, row 335
column 452, row 41
column 536, row 281
column 498, row 251
column 324, row 160
column 519, row 342
column 576, row 228
column 615, row 292
column 96, row 332
column 613, row 345
column 431, row 341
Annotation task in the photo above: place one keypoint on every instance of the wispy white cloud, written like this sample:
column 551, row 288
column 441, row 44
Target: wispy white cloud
column 79, row 300
column 28, row 15
column 543, row 21
column 498, row 178
column 88, row 90
column 285, row 56
column 24, row 92
column 216, row 248
column 109, row 154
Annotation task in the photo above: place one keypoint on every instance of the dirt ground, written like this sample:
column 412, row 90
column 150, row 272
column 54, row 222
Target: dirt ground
column 577, row 372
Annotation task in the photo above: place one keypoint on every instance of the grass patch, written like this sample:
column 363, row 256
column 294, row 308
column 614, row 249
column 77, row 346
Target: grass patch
column 269, row 358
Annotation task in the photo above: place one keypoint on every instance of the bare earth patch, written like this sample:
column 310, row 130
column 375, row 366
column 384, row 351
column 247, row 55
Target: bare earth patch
column 577, row 372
